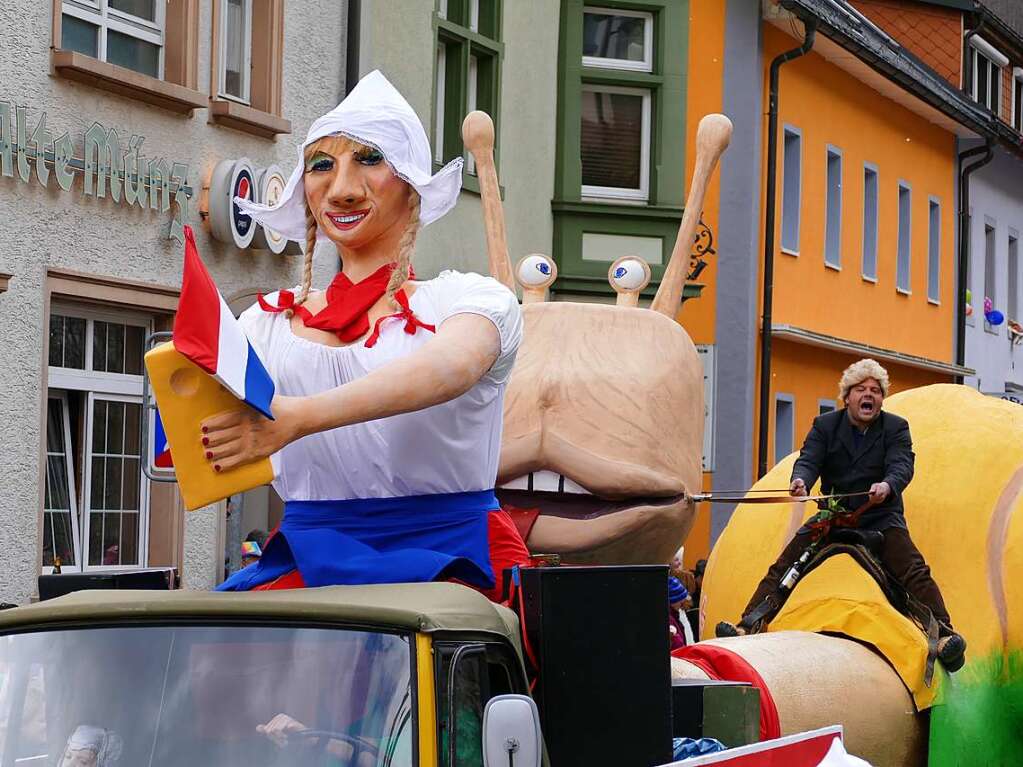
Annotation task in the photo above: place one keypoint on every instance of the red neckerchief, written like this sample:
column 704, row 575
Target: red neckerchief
column 347, row 311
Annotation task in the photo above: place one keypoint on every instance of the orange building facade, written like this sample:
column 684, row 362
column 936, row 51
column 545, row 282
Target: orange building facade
column 871, row 167
column 865, row 227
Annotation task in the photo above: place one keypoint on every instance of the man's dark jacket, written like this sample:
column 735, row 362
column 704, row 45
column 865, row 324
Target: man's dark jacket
column 885, row 454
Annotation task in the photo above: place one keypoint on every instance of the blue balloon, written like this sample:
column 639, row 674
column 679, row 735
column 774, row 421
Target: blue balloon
column 994, row 317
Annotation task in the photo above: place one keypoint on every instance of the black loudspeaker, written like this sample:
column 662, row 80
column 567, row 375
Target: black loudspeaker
column 600, row 637
column 157, row 578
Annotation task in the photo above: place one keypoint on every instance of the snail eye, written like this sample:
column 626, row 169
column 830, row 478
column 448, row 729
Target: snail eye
column 629, row 274
column 535, row 271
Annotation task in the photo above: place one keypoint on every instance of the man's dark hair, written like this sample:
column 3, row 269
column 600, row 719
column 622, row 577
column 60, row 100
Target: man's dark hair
column 701, row 565
column 257, row 535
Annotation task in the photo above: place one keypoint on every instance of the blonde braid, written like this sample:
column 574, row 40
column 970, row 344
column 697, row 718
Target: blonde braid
column 407, row 245
column 307, row 267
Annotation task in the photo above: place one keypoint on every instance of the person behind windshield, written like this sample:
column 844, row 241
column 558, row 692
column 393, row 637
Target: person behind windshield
column 91, row 746
column 388, row 415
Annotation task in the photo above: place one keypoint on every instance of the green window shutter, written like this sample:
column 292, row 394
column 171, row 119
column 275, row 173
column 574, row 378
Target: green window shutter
column 639, row 87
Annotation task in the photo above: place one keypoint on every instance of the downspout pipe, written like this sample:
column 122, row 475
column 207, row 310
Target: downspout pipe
column 965, row 234
column 810, row 33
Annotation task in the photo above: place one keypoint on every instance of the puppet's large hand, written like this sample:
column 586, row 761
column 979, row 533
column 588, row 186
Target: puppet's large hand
column 242, row 436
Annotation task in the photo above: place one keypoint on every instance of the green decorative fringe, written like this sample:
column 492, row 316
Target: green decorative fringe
column 980, row 720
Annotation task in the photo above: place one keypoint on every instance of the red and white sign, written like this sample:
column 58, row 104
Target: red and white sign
column 804, row 749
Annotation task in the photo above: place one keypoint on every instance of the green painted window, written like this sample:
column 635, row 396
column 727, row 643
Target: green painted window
column 620, row 137
column 467, row 74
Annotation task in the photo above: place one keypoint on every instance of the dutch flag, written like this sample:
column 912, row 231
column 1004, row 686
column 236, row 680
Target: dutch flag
column 207, row 333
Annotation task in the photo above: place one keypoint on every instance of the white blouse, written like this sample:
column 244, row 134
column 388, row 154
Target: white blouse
column 448, row 448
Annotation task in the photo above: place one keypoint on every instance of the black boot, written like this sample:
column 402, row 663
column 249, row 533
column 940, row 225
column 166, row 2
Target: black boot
column 726, row 629
column 952, row 652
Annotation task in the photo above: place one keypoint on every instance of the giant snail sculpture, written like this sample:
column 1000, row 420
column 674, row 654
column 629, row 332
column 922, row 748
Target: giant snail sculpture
column 603, row 436
column 603, row 426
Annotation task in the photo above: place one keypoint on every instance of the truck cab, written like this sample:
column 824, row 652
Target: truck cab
column 368, row 676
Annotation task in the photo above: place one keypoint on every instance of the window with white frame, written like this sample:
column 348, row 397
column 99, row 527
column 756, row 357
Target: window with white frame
column 615, row 121
column 990, row 266
column 618, row 39
column 870, row 220
column 825, row 406
column 615, row 142
column 904, row 253
column 792, row 189
column 236, row 43
column 128, row 33
column 96, row 496
column 784, row 425
column 934, row 251
column 1017, row 99
column 1012, row 299
column 986, row 63
column 833, row 205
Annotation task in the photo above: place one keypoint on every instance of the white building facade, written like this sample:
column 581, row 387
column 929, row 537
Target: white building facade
column 114, row 116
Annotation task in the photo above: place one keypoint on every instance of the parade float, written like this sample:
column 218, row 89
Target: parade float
column 599, row 465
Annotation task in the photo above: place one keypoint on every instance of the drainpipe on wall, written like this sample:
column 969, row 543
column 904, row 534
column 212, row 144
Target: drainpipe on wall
column 964, row 241
column 810, row 32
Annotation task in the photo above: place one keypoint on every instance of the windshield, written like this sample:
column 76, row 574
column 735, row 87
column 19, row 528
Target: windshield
column 159, row 696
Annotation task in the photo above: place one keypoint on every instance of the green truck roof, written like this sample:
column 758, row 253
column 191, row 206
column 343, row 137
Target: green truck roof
column 428, row 607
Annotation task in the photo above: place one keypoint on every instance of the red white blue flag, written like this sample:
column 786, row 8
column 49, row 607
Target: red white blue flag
column 208, row 334
column 161, row 448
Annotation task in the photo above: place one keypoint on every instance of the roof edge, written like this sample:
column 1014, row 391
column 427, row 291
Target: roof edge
column 854, row 32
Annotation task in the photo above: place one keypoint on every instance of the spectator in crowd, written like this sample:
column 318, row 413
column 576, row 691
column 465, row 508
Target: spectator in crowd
column 679, row 631
column 257, row 536
column 251, row 553
column 701, row 565
column 675, row 567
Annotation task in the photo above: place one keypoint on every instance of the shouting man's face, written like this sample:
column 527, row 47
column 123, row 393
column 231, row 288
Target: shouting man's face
column 864, row 402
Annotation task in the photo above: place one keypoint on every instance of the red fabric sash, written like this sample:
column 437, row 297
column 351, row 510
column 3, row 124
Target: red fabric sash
column 719, row 663
column 347, row 311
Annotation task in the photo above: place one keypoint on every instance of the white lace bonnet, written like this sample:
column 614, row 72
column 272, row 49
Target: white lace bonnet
column 376, row 115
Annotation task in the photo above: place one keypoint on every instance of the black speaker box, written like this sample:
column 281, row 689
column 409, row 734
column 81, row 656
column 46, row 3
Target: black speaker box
column 600, row 636
column 157, row 578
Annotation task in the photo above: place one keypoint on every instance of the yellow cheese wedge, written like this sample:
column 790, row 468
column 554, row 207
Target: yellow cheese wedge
column 186, row 396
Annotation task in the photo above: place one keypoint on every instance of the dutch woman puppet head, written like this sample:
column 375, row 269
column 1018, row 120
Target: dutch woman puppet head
column 363, row 181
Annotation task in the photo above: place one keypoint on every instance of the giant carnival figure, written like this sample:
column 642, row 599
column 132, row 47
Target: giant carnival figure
column 414, row 371
column 386, row 438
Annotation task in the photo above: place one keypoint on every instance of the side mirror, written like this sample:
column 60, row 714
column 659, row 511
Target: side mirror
column 511, row 732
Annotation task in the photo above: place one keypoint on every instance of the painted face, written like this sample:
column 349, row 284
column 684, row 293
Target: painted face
column 603, row 424
column 353, row 194
column 84, row 757
column 864, row 401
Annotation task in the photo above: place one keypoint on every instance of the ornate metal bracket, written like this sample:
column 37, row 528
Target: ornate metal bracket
column 703, row 248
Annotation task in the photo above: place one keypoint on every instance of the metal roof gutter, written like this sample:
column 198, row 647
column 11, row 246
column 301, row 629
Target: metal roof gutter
column 849, row 29
column 812, row 338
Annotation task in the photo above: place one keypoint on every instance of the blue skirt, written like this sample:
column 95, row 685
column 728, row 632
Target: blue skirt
column 378, row 540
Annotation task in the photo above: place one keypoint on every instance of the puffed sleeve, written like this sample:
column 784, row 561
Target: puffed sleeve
column 258, row 326
column 475, row 294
